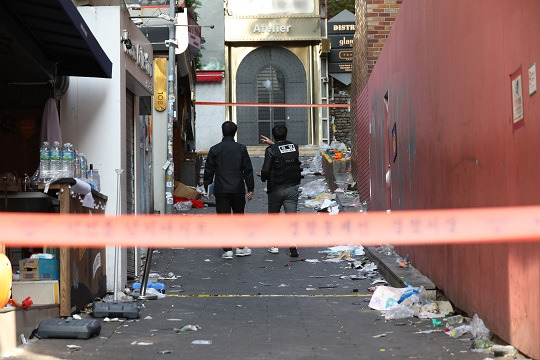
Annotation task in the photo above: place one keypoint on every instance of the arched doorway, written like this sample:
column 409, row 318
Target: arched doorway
column 271, row 74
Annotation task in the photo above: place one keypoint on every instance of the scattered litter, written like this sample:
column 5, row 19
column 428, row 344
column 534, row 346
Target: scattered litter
column 23, row 339
column 142, row 343
column 400, row 324
column 429, row 331
column 77, row 317
column 436, row 322
column 74, row 347
column 283, row 285
column 106, row 319
column 386, row 297
column 379, row 336
column 334, row 210
column 269, row 260
column 148, row 318
column 174, row 319
column 327, row 286
column 503, row 350
column 317, row 276
column 188, row 328
column 310, row 289
column 312, row 261
column 458, row 331
column 264, row 284
column 202, row 342
column 398, row 312
column 207, row 260
column 153, row 291
column 379, row 281
column 478, row 329
column 162, row 352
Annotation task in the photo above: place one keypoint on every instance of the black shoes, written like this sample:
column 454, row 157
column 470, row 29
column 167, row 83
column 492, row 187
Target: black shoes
column 294, row 251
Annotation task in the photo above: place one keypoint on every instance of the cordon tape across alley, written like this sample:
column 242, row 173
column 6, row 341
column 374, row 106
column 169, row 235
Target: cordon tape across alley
column 407, row 227
column 252, row 104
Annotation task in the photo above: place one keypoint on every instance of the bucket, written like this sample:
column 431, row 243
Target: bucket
column 5, row 280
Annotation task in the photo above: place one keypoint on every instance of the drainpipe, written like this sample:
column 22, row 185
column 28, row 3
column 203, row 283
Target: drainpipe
column 171, row 90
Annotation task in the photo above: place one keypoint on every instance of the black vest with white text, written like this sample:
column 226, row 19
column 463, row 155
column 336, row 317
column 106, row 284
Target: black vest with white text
column 286, row 168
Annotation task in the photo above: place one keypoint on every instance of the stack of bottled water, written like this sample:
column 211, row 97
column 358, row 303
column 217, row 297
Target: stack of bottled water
column 58, row 162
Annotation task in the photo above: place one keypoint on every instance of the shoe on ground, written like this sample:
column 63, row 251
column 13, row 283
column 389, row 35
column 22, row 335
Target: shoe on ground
column 227, row 255
column 294, row 252
column 243, row 252
column 273, row 250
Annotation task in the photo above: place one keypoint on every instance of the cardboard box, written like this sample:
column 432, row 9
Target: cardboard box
column 39, row 269
column 40, row 292
column 184, row 191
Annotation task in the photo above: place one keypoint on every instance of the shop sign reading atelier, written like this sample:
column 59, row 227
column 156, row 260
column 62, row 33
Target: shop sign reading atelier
column 272, row 29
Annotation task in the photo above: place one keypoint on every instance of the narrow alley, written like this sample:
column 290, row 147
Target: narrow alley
column 263, row 306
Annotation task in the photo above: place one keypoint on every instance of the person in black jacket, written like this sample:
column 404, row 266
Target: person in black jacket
column 281, row 169
column 229, row 168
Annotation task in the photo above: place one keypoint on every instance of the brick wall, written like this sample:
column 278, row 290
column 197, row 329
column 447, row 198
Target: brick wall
column 381, row 15
column 342, row 119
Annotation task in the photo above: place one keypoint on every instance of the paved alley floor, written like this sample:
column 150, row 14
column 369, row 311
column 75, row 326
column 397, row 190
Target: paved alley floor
column 264, row 306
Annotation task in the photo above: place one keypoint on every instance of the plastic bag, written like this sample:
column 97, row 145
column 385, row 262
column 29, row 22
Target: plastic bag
column 314, row 188
column 183, row 206
column 398, row 312
column 478, row 329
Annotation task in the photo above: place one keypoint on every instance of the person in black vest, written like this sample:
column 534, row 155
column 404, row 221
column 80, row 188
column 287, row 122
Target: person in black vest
column 281, row 169
column 229, row 168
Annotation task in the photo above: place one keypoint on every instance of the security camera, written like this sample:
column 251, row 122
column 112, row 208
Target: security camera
column 127, row 44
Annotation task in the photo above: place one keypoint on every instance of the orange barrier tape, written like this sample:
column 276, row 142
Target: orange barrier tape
column 271, row 105
column 457, row 226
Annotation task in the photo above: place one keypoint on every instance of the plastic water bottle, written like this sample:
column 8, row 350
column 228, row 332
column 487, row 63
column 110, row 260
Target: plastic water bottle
column 97, row 180
column 67, row 160
column 90, row 176
column 56, row 160
column 44, row 161
column 458, row 331
column 76, row 165
column 503, row 350
column 454, row 320
column 83, row 166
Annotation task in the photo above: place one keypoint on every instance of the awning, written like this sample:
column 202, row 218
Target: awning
column 57, row 28
column 209, row 76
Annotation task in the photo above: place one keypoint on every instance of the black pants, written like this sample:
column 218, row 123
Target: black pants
column 227, row 203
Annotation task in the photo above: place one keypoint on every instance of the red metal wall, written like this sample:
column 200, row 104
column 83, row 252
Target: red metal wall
column 446, row 67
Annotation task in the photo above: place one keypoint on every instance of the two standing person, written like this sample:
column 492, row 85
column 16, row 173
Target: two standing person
column 229, row 167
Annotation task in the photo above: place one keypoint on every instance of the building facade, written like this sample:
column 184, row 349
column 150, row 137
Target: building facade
column 272, row 55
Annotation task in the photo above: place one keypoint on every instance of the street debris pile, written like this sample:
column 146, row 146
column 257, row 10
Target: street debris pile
column 408, row 302
column 337, row 190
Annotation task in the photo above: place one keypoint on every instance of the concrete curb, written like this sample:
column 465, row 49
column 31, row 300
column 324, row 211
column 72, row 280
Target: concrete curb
column 389, row 269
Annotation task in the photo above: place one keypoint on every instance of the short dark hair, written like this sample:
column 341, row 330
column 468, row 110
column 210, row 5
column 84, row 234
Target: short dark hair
column 228, row 128
column 279, row 132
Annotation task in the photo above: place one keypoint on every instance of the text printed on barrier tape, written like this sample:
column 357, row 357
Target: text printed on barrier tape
column 437, row 227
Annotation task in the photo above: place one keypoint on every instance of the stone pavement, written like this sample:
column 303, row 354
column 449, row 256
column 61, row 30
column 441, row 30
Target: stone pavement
column 263, row 306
